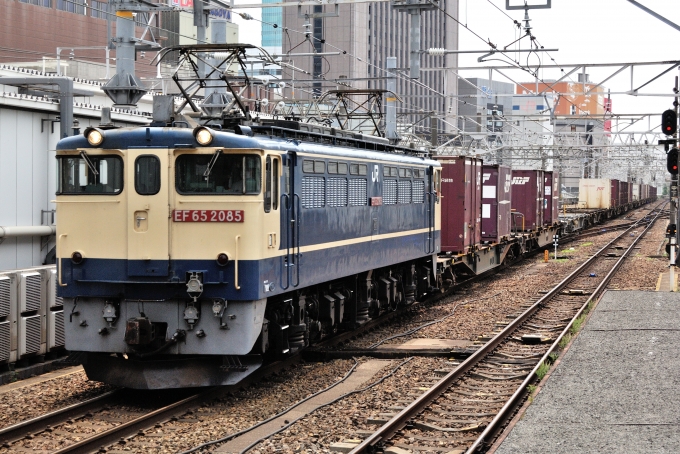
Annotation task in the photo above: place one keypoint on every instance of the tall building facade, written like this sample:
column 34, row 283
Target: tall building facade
column 363, row 36
column 272, row 38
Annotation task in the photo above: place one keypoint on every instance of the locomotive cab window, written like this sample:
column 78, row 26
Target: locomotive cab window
column 218, row 173
column 90, row 174
column 147, row 175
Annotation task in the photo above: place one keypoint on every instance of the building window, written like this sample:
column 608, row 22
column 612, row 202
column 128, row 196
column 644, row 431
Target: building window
column 45, row 3
column 72, row 6
column 99, row 9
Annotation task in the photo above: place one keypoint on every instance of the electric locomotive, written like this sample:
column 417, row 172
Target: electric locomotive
column 186, row 256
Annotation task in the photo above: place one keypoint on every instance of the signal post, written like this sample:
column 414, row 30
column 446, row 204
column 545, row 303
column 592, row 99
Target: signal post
column 669, row 126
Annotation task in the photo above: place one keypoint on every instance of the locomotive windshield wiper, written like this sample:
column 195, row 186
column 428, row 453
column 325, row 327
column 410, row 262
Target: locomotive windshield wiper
column 90, row 164
column 211, row 164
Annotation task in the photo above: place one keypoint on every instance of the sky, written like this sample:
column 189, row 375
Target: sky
column 584, row 31
column 587, row 31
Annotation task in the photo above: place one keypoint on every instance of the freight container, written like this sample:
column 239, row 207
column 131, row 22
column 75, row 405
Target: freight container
column 496, row 198
column 624, row 187
column 461, row 203
column 645, row 191
column 636, row 192
column 527, row 199
column 551, row 198
column 598, row 193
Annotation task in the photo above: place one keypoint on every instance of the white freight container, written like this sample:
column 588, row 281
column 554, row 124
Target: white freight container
column 596, row 193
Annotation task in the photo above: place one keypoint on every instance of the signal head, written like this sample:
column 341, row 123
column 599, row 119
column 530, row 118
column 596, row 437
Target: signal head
column 672, row 161
column 669, row 122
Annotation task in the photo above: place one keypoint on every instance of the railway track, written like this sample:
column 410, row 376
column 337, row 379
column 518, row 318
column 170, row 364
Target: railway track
column 468, row 407
column 111, row 418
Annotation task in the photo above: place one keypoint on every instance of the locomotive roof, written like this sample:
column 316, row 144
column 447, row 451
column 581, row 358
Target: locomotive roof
column 168, row 137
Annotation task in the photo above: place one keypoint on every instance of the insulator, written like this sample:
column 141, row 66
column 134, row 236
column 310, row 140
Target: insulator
column 436, row 51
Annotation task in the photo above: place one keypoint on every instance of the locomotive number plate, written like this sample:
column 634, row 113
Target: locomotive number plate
column 207, row 215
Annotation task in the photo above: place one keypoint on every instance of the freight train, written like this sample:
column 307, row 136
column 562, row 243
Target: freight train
column 191, row 250
column 187, row 255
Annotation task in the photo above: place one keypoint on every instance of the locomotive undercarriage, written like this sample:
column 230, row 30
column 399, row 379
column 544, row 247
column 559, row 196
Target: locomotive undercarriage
column 300, row 318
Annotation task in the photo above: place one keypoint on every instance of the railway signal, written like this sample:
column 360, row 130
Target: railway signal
column 672, row 161
column 555, row 241
column 669, row 122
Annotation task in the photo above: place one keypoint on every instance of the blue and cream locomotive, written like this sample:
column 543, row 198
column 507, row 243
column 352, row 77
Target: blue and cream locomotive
column 187, row 255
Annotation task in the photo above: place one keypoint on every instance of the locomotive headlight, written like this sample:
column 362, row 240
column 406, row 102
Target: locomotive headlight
column 94, row 136
column 203, row 135
column 77, row 257
column 222, row 259
column 194, row 285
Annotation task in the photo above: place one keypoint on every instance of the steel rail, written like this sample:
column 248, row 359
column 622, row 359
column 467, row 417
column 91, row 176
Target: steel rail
column 417, row 406
column 18, row 431
column 497, row 421
column 94, row 443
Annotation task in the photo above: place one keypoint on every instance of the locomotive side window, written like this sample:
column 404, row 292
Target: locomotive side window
column 271, row 184
column 309, row 166
column 358, row 169
column 337, row 168
column 268, row 185
column 390, row 171
column 219, row 173
column 90, row 174
column 147, row 175
column 275, row 184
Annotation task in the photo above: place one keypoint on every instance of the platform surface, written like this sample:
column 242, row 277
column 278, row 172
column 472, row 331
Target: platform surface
column 617, row 388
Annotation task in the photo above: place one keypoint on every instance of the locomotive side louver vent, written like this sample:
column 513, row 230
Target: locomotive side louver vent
column 313, row 192
column 357, row 192
column 56, row 330
column 389, row 192
column 30, row 292
column 418, row 192
column 4, row 341
column 4, row 296
column 337, row 192
column 404, row 191
column 29, row 339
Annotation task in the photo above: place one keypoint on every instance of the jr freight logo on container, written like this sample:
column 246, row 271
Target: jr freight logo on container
column 520, row 180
